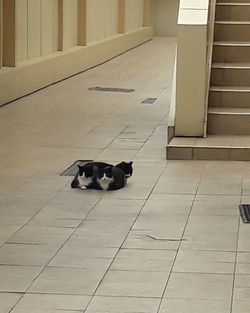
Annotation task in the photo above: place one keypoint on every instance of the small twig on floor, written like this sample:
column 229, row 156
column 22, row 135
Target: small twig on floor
column 165, row 239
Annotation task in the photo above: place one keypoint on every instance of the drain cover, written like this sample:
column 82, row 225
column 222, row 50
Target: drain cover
column 245, row 212
column 73, row 169
column 111, row 89
column 149, row 100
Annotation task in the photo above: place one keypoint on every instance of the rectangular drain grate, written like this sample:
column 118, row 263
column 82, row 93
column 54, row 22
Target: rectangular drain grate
column 149, row 101
column 111, row 89
column 245, row 212
column 73, row 169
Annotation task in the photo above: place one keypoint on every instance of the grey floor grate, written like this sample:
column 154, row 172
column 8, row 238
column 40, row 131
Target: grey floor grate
column 245, row 212
column 72, row 169
column 149, row 101
column 111, row 89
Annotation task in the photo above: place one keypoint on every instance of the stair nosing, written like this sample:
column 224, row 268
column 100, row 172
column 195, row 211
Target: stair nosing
column 231, row 65
column 230, row 89
column 229, row 111
column 221, row 43
column 232, row 22
column 233, row 4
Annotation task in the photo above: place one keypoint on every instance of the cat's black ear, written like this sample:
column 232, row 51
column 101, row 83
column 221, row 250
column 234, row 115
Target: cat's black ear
column 79, row 167
column 131, row 163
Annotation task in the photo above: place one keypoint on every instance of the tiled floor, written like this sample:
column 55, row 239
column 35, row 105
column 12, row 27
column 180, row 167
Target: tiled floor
column 170, row 241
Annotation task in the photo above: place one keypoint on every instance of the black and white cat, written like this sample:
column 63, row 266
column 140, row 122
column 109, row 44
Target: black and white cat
column 102, row 176
column 111, row 178
column 125, row 166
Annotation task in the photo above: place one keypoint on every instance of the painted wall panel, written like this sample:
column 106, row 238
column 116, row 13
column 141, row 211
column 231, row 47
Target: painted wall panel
column 34, row 28
column 1, row 36
column 134, row 14
column 49, row 26
column 70, row 23
column 164, row 17
column 21, row 30
column 102, row 19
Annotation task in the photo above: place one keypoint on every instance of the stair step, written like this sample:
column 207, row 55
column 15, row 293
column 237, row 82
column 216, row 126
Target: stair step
column 229, row 111
column 230, row 89
column 230, row 74
column 220, row 96
column 231, row 65
column 233, row 1
column 232, row 11
column 228, row 121
column 213, row 147
column 232, row 31
column 231, row 51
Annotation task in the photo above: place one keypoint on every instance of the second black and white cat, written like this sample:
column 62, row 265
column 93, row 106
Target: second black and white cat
column 102, row 176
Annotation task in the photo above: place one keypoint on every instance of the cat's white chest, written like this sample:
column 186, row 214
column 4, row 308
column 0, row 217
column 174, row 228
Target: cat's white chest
column 84, row 181
column 104, row 183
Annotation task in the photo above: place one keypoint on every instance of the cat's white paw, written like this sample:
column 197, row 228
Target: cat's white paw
column 83, row 187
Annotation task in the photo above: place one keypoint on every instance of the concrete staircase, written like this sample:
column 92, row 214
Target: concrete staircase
column 228, row 126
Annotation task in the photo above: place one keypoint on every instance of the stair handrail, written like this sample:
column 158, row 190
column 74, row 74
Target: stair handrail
column 210, row 42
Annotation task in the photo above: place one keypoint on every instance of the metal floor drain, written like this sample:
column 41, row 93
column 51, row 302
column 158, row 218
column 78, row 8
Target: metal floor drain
column 245, row 212
column 111, row 89
column 149, row 101
column 73, row 169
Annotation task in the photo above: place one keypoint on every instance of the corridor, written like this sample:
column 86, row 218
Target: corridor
column 171, row 241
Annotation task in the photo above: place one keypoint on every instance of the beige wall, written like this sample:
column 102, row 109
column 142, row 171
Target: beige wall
column 70, row 23
column 48, row 40
column 102, row 19
column 36, row 28
column 134, row 14
column 164, row 17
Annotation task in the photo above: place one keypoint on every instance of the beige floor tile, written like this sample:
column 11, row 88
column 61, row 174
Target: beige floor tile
column 199, row 286
column 133, row 284
column 42, row 235
column 17, row 278
column 18, row 210
column 143, row 240
column 81, row 251
column 117, row 155
column 61, row 215
column 165, row 228
column 241, row 287
column 241, row 306
column 27, row 310
column 143, row 260
column 26, row 254
column 216, row 205
column 114, row 209
column 244, row 236
column 95, row 226
column 77, row 196
column 53, row 302
column 98, row 239
column 195, row 305
column 80, row 260
column 123, row 304
column 179, row 185
column 161, row 208
column 67, row 280
column 220, row 186
column 7, row 231
column 185, row 168
column 223, row 237
column 8, row 301
column 243, row 263
column 204, row 262
column 126, row 144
